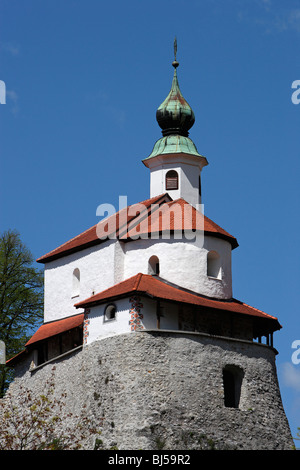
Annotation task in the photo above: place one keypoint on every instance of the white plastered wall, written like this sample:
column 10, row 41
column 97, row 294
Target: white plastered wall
column 188, row 182
column 219, row 288
column 98, row 328
column 100, row 267
column 183, row 263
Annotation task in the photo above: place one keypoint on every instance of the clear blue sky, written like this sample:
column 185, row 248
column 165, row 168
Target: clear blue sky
column 84, row 80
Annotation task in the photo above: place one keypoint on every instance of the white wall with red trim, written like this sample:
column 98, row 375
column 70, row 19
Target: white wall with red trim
column 181, row 262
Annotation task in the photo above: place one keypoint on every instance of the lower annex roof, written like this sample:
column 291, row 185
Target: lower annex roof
column 159, row 288
column 47, row 330
column 154, row 287
column 56, row 327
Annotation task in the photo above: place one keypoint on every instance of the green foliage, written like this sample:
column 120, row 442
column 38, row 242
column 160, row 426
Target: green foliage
column 42, row 422
column 297, row 438
column 21, row 298
column 159, row 443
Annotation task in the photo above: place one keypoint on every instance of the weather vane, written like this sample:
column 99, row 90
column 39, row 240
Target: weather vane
column 175, row 63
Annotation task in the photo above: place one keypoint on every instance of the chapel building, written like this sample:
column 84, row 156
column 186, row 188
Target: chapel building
column 158, row 264
column 160, row 267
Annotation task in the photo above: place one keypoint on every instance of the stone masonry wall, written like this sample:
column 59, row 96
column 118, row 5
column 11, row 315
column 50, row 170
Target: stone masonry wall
column 163, row 390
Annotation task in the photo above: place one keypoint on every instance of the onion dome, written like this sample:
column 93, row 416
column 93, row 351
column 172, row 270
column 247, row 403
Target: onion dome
column 174, row 115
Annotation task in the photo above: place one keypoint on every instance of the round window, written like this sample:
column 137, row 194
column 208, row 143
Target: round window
column 110, row 313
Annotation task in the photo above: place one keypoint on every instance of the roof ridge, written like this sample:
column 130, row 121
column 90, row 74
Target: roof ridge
column 161, row 196
column 137, row 217
column 125, row 224
column 210, row 220
column 138, row 280
column 65, row 243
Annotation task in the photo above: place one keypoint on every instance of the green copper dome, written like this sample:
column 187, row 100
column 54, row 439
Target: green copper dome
column 174, row 144
column 174, row 115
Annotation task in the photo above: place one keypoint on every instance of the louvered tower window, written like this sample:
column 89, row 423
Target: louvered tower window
column 171, row 180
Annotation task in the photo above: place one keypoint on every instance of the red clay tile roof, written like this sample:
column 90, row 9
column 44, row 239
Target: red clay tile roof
column 90, row 237
column 155, row 287
column 178, row 215
column 128, row 222
column 13, row 360
column 55, row 327
column 46, row 331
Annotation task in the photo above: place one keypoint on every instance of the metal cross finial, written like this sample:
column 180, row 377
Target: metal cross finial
column 175, row 48
column 175, row 63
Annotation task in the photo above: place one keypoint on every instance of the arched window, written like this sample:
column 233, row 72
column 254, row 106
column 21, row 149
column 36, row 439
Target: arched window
column 171, row 180
column 110, row 312
column 153, row 265
column 232, row 382
column 214, row 265
column 76, row 283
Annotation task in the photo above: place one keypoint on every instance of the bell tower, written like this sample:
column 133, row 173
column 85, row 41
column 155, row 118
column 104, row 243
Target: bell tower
column 175, row 164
